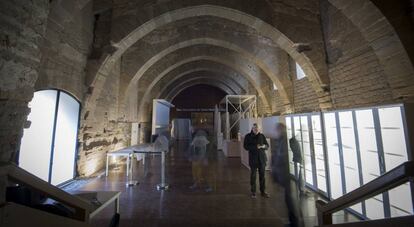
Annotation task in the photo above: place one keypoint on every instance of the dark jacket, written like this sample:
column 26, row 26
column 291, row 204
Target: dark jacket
column 295, row 147
column 280, row 161
column 257, row 157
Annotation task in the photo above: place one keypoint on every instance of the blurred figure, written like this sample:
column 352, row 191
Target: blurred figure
column 281, row 175
column 255, row 142
column 210, row 166
column 198, row 157
column 297, row 161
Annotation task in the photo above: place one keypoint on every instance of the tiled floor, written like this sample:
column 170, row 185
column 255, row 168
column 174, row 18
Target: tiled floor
column 228, row 204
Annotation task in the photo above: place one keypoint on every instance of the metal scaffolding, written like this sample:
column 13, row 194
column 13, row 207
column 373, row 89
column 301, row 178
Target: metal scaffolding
column 244, row 105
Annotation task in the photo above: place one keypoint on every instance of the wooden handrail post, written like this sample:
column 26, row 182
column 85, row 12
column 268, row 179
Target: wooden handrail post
column 323, row 217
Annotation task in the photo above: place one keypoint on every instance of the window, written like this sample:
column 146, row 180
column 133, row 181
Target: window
column 300, row 74
column 351, row 148
column 274, row 87
column 48, row 146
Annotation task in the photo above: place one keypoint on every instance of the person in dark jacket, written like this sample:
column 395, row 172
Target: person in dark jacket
column 297, row 160
column 255, row 142
column 281, row 175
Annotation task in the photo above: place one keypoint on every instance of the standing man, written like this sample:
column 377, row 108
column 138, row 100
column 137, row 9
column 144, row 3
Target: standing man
column 255, row 142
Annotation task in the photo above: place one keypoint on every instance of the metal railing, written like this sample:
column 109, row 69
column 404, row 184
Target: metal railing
column 391, row 179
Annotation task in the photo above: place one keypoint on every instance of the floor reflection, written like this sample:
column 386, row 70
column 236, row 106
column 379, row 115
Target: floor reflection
column 225, row 203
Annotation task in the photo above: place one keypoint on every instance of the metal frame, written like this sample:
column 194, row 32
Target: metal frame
column 381, row 158
column 58, row 91
column 251, row 109
column 409, row 151
column 358, row 150
column 308, row 116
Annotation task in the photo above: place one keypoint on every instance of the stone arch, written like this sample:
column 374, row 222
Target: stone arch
column 374, row 27
column 216, row 11
column 173, row 93
column 213, row 59
column 187, row 76
column 146, row 97
column 213, row 42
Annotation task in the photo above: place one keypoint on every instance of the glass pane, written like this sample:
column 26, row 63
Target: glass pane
column 298, row 131
column 306, row 150
column 289, row 136
column 319, row 155
column 37, row 140
column 333, row 155
column 298, row 136
column 350, row 154
column 395, row 153
column 370, row 160
column 65, row 139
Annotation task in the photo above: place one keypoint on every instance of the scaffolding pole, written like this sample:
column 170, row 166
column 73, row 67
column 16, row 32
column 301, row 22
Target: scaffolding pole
column 244, row 106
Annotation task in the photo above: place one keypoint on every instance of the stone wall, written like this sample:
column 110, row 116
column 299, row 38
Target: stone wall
column 66, row 47
column 100, row 131
column 357, row 78
column 60, row 44
column 23, row 24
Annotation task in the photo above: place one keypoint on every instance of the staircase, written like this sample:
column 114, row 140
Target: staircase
column 397, row 176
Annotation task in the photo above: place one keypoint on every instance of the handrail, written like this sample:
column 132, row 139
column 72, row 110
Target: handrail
column 393, row 178
column 19, row 175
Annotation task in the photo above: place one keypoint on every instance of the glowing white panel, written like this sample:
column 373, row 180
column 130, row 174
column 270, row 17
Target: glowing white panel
column 350, row 155
column 298, row 131
column 319, row 154
column 65, row 139
column 333, row 155
column 160, row 116
column 395, row 153
column 289, row 136
column 370, row 160
column 37, row 140
column 299, row 72
column 298, row 135
column 306, row 150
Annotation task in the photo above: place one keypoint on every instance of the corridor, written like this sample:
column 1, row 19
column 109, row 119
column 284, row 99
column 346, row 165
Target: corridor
column 328, row 84
column 229, row 204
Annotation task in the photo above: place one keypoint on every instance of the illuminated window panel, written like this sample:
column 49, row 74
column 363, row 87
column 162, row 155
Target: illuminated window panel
column 370, row 167
column 350, row 155
column 333, row 155
column 36, row 143
column 307, row 156
column 319, row 152
column 65, row 139
column 289, row 136
column 395, row 153
column 48, row 146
